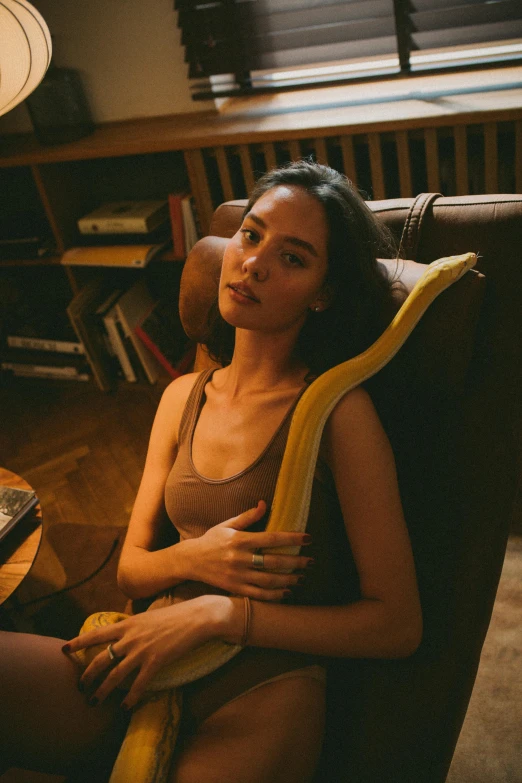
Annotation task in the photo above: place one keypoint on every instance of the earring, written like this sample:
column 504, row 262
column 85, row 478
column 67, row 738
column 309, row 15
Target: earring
column 317, row 309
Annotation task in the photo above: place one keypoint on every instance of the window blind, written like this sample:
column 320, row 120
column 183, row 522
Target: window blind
column 235, row 47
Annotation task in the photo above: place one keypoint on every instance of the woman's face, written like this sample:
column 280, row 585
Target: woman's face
column 278, row 258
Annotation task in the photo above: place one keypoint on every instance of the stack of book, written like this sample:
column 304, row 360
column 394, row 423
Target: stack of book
column 128, row 334
column 49, row 349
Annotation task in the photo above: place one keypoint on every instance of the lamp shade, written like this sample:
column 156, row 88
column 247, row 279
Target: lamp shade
column 25, row 51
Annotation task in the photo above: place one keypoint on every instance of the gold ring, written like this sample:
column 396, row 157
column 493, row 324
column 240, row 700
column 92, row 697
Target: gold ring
column 258, row 561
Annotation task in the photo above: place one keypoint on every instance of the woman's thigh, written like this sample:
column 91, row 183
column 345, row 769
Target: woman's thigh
column 270, row 735
column 45, row 722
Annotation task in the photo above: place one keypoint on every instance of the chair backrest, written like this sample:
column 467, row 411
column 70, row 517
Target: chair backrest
column 450, row 402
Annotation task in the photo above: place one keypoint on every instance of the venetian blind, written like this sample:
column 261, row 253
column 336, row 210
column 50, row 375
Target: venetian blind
column 243, row 46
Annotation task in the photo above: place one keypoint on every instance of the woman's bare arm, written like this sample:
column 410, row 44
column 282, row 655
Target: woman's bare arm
column 142, row 571
column 387, row 620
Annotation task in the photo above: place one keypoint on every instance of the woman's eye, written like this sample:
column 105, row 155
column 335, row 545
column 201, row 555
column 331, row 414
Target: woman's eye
column 293, row 259
column 249, row 235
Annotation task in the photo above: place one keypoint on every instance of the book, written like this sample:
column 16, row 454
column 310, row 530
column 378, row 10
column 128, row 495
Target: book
column 161, row 331
column 82, row 312
column 44, row 344
column 124, row 217
column 176, row 224
column 112, row 255
column 14, row 504
column 44, row 362
column 159, row 235
column 111, row 321
column 21, row 371
column 131, row 308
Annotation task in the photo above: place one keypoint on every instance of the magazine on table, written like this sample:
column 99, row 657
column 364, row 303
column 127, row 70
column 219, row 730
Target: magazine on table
column 14, row 504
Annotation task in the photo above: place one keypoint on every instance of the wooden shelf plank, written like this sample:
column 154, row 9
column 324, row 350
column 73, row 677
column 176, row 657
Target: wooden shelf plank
column 348, row 154
column 46, row 261
column 224, row 174
column 378, row 186
column 518, row 156
column 403, row 156
column 490, row 158
column 431, row 146
column 270, row 156
column 461, row 160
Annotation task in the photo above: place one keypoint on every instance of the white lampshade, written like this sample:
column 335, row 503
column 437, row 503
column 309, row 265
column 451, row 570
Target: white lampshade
column 25, row 51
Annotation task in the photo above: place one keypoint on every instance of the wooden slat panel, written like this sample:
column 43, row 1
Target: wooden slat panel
column 348, row 158
column 246, row 165
column 295, row 149
column 224, row 174
column 432, row 159
column 270, row 156
column 321, row 153
column 461, row 160
column 518, row 156
column 403, row 157
column 199, row 187
column 490, row 157
column 378, row 188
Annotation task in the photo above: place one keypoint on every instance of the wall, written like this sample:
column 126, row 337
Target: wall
column 128, row 52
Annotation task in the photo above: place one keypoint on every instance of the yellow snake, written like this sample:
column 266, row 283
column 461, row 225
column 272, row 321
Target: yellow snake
column 146, row 752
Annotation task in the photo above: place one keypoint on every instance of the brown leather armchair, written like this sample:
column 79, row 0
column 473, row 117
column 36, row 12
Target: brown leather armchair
column 450, row 402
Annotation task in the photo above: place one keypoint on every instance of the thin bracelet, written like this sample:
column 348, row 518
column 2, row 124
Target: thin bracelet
column 246, row 626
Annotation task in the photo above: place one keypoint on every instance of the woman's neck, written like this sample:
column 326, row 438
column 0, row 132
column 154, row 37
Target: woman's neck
column 260, row 366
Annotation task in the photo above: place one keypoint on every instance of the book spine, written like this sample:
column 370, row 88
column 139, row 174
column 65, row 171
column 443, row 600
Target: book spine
column 33, row 372
column 41, row 344
column 176, row 224
column 41, row 369
column 130, row 350
column 153, row 348
column 119, row 348
column 109, row 255
column 90, row 344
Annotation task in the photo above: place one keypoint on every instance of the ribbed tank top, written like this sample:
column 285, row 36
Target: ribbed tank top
column 196, row 503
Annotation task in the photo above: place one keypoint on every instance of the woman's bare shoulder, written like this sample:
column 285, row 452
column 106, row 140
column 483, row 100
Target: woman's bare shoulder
column 173, row 401
column 353, row 421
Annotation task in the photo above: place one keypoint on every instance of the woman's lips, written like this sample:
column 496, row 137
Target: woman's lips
column 241, row 296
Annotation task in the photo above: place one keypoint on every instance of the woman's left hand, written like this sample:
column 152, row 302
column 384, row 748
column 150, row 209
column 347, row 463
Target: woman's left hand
column 144, row 643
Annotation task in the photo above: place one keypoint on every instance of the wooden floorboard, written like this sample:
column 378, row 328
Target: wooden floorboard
column 83, row 451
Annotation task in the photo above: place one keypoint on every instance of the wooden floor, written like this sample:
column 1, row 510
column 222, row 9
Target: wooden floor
column 83, row 451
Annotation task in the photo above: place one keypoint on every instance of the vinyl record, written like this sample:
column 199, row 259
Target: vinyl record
column 25, row 51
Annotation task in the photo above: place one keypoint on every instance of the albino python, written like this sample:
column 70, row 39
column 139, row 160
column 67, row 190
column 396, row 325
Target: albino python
column 146, row 752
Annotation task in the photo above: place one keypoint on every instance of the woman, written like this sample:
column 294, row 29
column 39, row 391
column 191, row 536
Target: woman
column 300, row 290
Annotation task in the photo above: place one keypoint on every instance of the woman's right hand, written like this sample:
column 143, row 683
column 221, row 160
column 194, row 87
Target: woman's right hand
column 222, row 557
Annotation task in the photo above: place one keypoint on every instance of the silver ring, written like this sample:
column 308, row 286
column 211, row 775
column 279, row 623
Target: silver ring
column 258, row 561
column 112, row 654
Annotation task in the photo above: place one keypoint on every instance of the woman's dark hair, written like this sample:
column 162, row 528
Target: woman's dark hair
column 362, row 303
